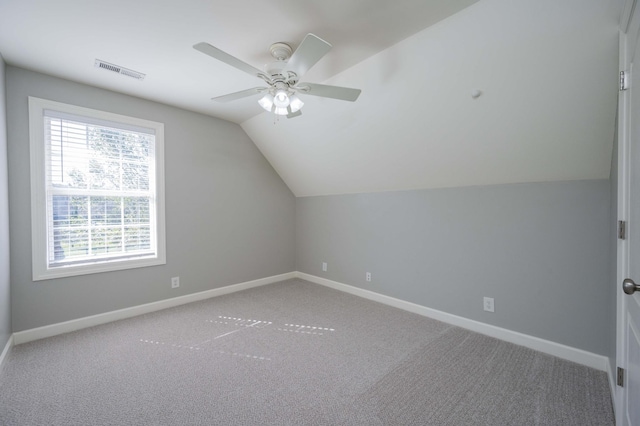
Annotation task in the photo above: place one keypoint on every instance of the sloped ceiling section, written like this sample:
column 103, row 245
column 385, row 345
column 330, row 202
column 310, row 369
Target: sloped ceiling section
column 547, row 71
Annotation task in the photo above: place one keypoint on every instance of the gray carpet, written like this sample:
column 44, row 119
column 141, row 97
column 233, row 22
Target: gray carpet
column 292, row 353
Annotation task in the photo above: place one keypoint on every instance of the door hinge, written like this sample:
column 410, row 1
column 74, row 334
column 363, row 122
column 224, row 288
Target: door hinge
column 620, row 377
column 622, row 229
column 624, row 80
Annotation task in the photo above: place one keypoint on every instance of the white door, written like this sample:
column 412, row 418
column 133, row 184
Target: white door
column 628, row 345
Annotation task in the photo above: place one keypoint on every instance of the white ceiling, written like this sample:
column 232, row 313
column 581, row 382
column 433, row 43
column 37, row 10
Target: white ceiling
column 547, row 70
column 155, row 37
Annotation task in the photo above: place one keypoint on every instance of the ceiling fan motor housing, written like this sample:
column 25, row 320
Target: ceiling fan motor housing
column 281, row 52
column 275, row 68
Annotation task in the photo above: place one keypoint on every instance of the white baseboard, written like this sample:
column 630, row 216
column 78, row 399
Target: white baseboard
column 77, row 324
column 5, row 351
column 569, row 353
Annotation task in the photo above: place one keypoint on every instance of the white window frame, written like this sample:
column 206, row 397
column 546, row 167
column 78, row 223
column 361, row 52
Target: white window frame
column 39, row 235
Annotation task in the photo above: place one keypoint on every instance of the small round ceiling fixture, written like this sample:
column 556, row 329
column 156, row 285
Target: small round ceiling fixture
column 280, row 51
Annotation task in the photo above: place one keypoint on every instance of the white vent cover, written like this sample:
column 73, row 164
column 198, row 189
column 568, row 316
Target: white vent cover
column 120, row 70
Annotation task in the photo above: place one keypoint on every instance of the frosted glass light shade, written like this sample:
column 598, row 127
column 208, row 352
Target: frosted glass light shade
column 280, row 110
column 295, row 103
column 266, row 102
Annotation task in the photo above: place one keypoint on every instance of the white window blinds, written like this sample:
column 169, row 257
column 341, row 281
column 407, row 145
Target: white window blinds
column 100, row 190
column 97, row 190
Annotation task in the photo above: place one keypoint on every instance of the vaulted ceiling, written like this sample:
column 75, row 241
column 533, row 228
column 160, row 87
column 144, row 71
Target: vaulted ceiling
column 546, row 72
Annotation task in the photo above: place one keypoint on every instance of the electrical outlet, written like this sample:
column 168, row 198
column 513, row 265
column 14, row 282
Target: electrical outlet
column 488, row 304
column 175, row 282
column 324, row 266
column 368, row 276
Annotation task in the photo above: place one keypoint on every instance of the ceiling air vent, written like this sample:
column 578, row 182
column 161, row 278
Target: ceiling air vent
column 120, row 70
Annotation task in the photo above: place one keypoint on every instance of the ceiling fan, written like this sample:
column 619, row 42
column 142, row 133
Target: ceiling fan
column 283, row 76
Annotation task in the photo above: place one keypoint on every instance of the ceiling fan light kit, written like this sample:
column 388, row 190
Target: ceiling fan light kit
column 283, row 75
column 282, row 103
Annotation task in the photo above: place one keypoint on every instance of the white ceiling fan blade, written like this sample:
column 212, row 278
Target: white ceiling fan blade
column 335, row 92
column 307, row 54
column 239, row 95
column 218, row 54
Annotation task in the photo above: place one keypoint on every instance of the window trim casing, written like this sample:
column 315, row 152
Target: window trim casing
column 39, row 235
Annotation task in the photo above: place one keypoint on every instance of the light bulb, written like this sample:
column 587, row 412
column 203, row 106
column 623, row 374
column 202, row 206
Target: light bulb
column 281, row 99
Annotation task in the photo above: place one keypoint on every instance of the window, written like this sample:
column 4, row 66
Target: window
column 97, row 190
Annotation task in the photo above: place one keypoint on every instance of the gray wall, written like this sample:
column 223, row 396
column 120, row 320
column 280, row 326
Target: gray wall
column 229, row 216
column 541, row 250
column 5, row 296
